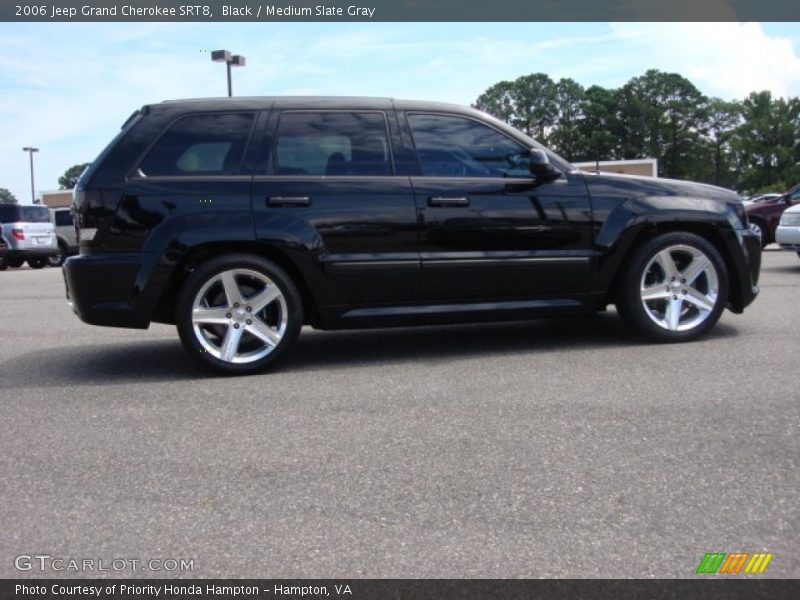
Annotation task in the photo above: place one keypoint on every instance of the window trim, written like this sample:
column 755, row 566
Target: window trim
column 136, row 173
column 272, row 164
column 410, row 113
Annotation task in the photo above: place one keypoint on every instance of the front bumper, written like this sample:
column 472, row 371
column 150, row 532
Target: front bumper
column 747, row 264
column 117, row 290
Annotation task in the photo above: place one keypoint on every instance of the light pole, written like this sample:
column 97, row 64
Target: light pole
column 30, row 150
column 230, row 61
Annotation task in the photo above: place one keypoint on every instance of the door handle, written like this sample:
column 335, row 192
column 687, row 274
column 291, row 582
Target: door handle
column 288, row 201
column 448, row 201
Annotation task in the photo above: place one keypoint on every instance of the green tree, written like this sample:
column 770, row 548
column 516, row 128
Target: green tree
column 766, row 143
column 663, row 115
column 499, row 100
column 566, row 137
column 599, row 127
column 721, row 120
column 70, row 177
column 536, row 107
column 6, row 197
column 752, row 145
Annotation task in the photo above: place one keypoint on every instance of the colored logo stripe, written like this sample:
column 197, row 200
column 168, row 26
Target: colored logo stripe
column 758, row 563
column 734, row 563
column 711, row 562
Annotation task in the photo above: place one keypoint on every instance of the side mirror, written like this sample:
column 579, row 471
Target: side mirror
column 540, row 165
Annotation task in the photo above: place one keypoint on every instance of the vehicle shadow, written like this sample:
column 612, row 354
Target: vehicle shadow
column 165, row 360
column 783, row 268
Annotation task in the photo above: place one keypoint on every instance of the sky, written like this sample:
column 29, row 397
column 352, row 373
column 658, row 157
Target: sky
column 66, row 88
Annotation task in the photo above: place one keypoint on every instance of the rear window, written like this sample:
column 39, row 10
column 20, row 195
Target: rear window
column 209, row 144
column 63, row 218
column 14, row 213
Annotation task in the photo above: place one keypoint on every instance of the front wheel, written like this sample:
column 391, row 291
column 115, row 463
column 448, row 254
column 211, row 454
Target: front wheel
column 238, row 313
column 674, row 287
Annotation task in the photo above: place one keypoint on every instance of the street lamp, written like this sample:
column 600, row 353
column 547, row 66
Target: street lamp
column 230, row 61
column 30, row 150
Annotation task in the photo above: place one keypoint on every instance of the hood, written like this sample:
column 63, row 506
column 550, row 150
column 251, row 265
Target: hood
column 632, row 186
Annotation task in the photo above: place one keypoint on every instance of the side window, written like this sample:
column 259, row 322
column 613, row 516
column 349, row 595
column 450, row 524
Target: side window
column 450, row 146
column 63, row 218
column 332, row 143
column 209, row 144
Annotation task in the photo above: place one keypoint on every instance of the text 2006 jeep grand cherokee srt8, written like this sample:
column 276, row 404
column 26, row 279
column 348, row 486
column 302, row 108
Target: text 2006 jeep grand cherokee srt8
column 241, row 219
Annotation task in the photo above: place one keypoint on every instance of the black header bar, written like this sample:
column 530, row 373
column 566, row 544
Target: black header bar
column 398, row 10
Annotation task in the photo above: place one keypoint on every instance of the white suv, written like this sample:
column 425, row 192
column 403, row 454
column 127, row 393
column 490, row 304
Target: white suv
column 29, row 233
column 65, row 235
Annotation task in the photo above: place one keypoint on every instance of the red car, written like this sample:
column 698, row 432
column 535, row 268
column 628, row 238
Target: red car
column 764, row 216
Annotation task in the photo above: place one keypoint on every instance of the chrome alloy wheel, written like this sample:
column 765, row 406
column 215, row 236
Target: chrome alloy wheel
column 239, row 316
column 679, row 288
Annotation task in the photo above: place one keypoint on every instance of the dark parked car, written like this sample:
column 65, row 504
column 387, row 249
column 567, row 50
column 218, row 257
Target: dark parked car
column 765, row 215
column 239, row 220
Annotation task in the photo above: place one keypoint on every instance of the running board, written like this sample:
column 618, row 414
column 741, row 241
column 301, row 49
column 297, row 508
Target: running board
column 434, row 309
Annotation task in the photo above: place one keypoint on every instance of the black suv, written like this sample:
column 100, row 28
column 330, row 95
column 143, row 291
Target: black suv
column 241, row 219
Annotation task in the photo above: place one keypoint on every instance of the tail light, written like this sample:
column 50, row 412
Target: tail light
column 18, row 234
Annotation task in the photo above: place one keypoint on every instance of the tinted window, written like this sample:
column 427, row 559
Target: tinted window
column 211, row 144
column 332, row 143
column 13, row 213
column 457, row 147
column 63, row 217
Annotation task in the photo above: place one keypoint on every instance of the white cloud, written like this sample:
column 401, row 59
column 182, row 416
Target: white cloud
column 722, row 59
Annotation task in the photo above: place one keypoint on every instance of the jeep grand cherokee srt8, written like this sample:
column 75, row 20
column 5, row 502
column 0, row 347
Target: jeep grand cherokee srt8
column 241, row 219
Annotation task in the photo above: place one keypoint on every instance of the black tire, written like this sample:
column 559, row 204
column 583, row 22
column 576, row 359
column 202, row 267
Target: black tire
column 37, row 263
column 653, row 318
column 759, row 227
column 57, row 260
column 3, row 263
column 206, row 343
column 15, row 263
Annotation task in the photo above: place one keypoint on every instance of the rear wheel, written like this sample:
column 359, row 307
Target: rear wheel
column 238, row 313
column 36, row 263
column 3, row 263
column 674, row 288
column 58, row 259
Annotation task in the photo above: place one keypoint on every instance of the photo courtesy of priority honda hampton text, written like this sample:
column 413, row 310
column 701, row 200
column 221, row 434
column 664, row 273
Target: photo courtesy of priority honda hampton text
column 241, row 219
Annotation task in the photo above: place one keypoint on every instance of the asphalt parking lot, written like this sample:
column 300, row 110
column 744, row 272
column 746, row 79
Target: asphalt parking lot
column 560, row 448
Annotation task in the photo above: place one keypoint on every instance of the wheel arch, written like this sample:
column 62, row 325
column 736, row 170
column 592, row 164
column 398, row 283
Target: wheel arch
column 165, row 308
column 709, row 231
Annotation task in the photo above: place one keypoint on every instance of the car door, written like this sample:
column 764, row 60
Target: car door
column 490, row 230
column 192, row 174
column 331, row 187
